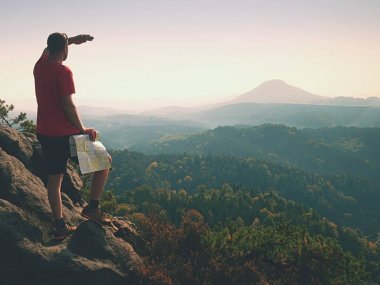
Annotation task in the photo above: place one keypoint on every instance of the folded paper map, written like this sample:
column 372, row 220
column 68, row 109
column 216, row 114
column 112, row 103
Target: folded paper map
column 92, row 155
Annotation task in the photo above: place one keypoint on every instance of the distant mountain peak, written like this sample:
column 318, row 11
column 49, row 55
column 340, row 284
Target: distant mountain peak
column 274, row 82
column 278, row 91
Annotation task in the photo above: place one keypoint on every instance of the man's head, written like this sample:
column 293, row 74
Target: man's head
column 58, row 45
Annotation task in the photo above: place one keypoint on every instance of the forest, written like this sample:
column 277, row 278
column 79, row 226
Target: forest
column 228, row 218
column 345, row 199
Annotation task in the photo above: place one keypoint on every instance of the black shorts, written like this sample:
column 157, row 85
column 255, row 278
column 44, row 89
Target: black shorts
column 56, row 151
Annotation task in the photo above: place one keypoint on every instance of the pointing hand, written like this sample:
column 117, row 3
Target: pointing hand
column 80, row 39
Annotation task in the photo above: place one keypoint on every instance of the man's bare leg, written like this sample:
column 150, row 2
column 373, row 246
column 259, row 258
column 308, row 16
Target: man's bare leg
column 97, row 184
column 99, row 179
column 92, row 211
column 54, row 195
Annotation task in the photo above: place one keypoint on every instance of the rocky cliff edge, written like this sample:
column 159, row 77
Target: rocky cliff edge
column 91, row 255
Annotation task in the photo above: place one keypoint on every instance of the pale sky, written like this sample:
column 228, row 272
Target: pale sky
column 155, row 53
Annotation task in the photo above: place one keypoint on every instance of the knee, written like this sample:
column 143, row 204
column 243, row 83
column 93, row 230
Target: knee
column 101, row 173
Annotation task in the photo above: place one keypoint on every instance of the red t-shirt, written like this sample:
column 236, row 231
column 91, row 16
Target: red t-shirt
column 52, row 81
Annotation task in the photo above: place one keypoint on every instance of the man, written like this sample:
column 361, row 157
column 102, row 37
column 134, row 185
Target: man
column 57, row 120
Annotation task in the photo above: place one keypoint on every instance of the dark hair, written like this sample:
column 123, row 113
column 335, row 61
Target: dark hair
column 56, row 42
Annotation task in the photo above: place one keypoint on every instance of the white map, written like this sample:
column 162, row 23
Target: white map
column 92, row 155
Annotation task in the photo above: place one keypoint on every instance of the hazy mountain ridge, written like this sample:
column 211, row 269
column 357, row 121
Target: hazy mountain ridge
column 120, row 131
column 351, row 101
column 338, row 150
column 277, row 102
column 273, row 102
column 295, row 115
column 93, row 112
column 270, row 92
column 123, row 131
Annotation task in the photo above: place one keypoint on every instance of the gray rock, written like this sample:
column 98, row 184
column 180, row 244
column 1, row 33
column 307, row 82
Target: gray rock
column 26, row 148
column 91, row 255
column 16, row 144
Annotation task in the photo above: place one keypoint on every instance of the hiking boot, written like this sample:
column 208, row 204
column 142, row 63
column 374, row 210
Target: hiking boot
column 96, row 215
column 61, row 233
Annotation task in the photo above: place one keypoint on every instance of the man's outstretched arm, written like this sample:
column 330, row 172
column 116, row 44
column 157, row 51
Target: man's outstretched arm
column 77, row 40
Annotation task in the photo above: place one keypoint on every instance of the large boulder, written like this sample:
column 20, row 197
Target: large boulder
column 92, row 254
column 16, row 144
column 26, row 148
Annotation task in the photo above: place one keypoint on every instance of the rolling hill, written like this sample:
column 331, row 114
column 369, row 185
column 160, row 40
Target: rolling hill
column 330, row 151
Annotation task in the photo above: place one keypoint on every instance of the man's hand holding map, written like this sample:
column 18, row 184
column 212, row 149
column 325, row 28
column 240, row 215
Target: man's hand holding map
column 92, row 155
